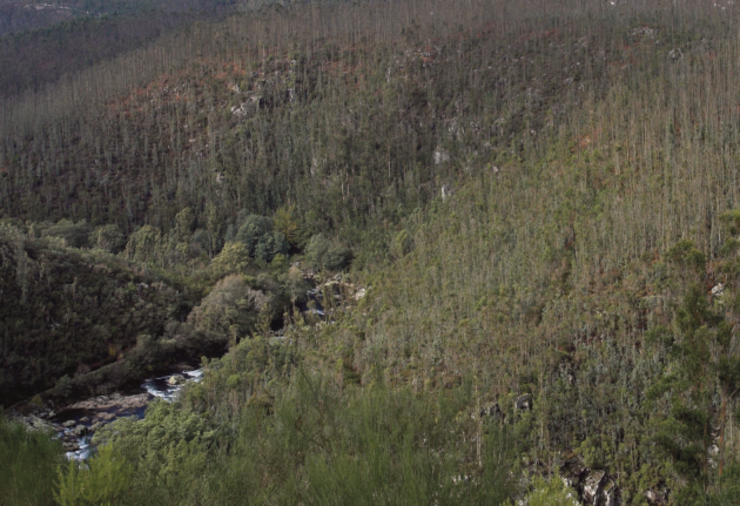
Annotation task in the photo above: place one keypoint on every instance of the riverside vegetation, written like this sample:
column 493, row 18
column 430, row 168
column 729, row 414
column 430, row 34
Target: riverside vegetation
column 538, row 200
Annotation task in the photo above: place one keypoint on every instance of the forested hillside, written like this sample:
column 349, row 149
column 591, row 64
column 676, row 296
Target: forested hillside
column 40, row 43
column 522, row 222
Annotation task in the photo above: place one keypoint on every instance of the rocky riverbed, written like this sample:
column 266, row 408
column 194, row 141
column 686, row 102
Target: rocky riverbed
column 76, row 423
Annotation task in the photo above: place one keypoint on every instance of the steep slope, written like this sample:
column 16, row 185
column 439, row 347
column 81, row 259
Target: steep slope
column 66, row 312
column 542, row 207
column 242, row 116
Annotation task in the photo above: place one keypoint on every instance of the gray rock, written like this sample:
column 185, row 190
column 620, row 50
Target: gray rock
column 657, row 497
column 441, row 156
column 80, row 430
column 675, row 54
column 69, row 423
column 592, row 487
column 610, row 494
column 493, row 411
column 70, row 447
column 523, row 402
column 572, row 472
column 176, row 379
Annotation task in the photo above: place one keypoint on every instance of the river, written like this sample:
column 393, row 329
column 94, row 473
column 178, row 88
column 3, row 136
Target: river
column 76, row 424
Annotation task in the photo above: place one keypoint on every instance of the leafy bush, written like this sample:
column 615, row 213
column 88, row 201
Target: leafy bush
column 231, row 310
column 143, row 244
column 256, row 233
column 75, row 235
column 296, row 286
column 252, row 230
column 324, row 254
column 100, row 481
column 108, row 238
column 165, row 457
column 286, row 224
column 551, row 493
column 271, row 245
column 28, row 464
column 233, row 259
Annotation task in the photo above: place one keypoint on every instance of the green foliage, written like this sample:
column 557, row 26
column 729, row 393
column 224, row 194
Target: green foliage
column 108, row 237
column 70, row 309
column 703, row 360
column 499, row 454
column 731, row 222
column 401, row 245
column 28, row 464
column 143, row 244
column 253, row 230
column 307, row 441
column 102, row 480
column 581, row 144
column 233, row 259
column 685, row 256
column 391, row 448
column 551, row 493
column 296, row 286
column 162, row 456
column 269, row 246
column 261, row 241
column 184, row 224
column 286, row 224
column 324, row 254
column 230, row 310
column 75, row 235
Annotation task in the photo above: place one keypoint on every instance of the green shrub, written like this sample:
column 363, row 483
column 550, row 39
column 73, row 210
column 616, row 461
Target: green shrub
column 252, row 230
column 686, row 256
column 233, row 259
column 75, row 235
column 261, row 241
column 231, row 310
column 324, row 254
column 28, row 464
column 108, row 237
column 551, row 493
column 102, row 480
column 270, row 245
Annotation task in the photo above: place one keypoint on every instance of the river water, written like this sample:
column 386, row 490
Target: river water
column 76, row 424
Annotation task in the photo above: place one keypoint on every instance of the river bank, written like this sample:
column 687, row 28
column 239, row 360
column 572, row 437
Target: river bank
column 76, row 423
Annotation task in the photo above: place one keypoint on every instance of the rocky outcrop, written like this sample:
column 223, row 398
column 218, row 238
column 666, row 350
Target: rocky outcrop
column 523, row 402
column 111, row 403
column 594, row 486
column 176, row 379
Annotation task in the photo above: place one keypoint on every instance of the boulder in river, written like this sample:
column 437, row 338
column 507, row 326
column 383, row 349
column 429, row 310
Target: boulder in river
column 70, row 446
column 176, row 379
